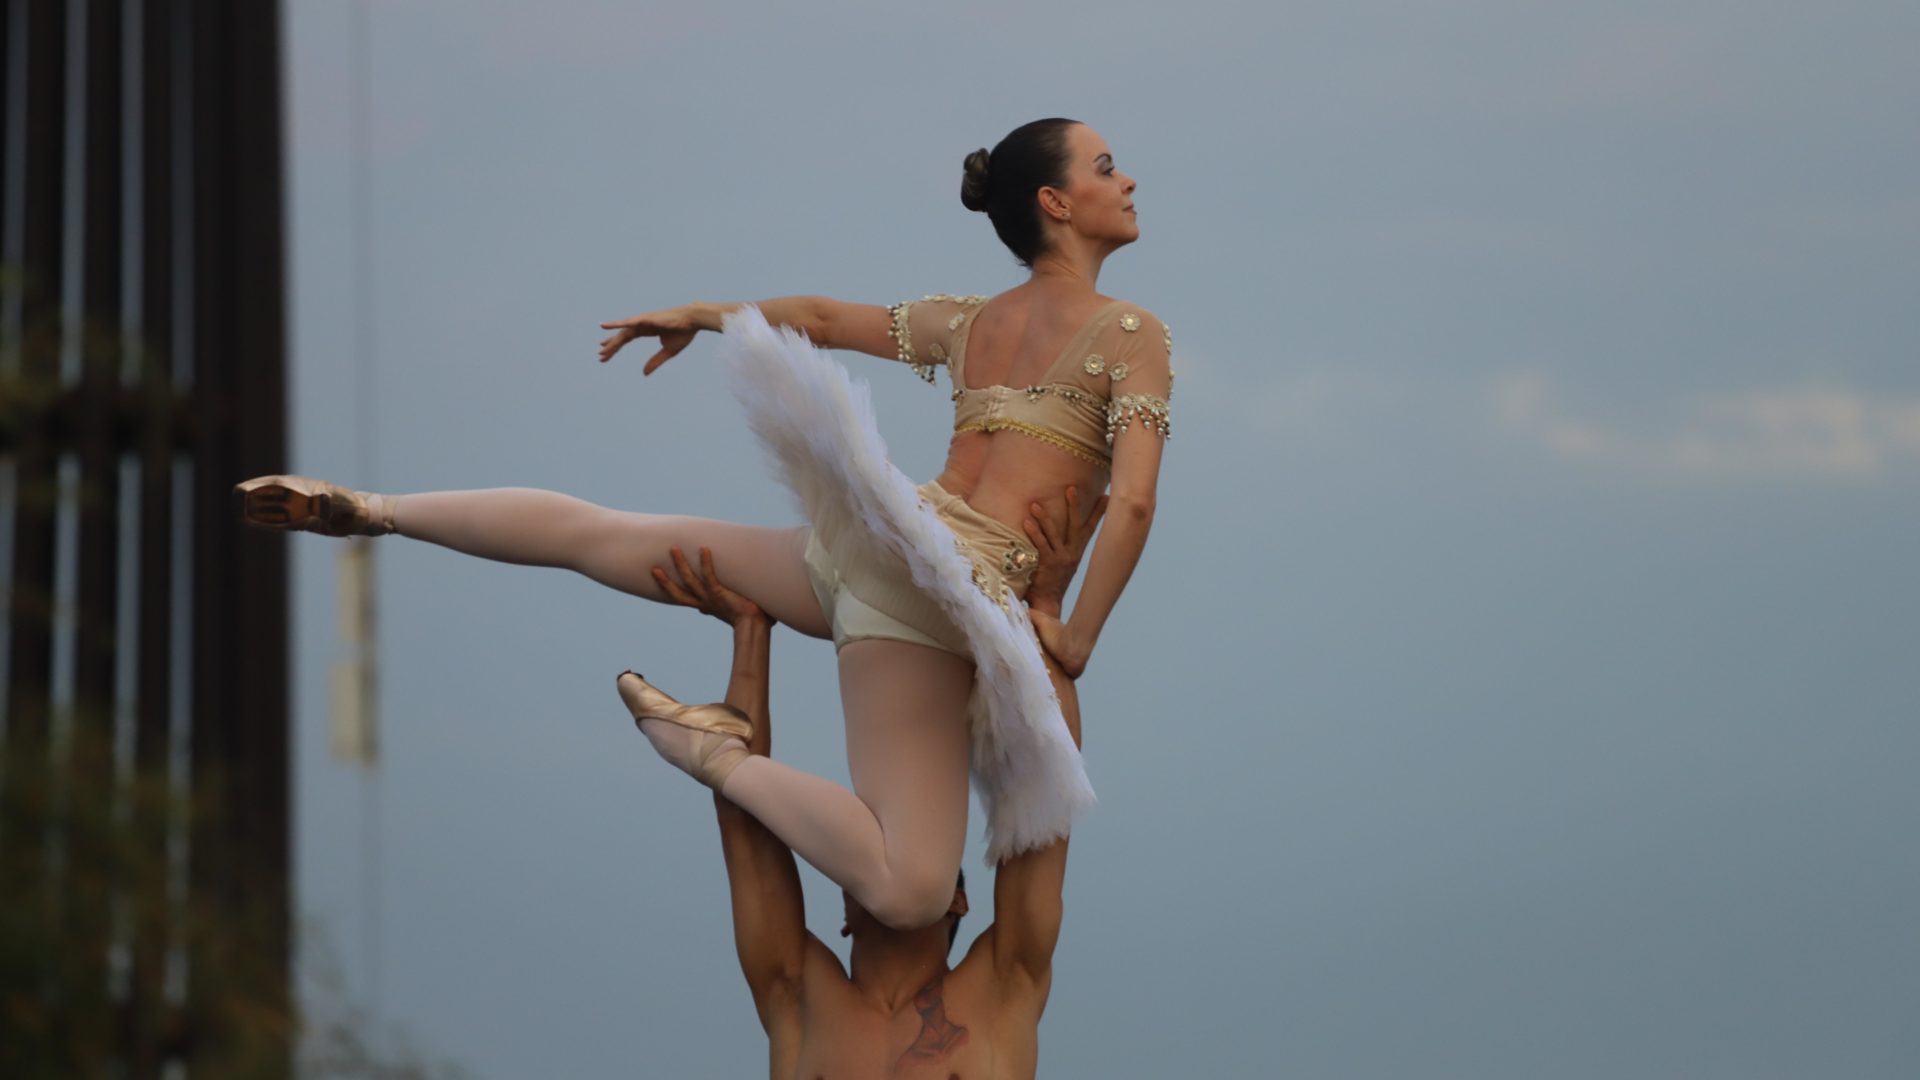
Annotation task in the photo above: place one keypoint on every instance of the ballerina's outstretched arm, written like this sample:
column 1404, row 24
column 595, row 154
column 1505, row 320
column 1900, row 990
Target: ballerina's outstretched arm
column 886, row 332
column 830, row 324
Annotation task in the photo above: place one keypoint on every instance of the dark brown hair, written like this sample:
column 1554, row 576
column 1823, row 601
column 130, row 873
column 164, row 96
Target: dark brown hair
column 1001, row 184
column 954, row 930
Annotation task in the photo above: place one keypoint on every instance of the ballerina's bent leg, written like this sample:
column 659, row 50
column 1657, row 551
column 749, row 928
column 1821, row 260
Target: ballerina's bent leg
column 895, row 841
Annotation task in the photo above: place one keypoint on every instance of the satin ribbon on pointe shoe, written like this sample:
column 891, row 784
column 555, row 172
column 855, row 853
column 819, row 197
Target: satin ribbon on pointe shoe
column 720, row 731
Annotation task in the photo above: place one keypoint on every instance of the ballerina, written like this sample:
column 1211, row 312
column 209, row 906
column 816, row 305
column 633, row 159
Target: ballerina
column 1056, row 388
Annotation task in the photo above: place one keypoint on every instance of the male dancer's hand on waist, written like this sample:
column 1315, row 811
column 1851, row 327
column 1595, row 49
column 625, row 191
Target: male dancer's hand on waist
column 1060, row 542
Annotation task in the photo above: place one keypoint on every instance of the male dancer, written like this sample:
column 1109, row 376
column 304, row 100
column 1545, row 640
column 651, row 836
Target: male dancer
column 902, row 1011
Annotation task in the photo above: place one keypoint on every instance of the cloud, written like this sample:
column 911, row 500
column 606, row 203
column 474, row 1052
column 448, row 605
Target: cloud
column 1820, row 432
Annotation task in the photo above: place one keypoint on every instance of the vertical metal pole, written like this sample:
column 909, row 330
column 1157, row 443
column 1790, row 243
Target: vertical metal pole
column 87, row 900
column 258, row 364
column 210, row 878
column 6, row 131
column 151, row 925
column 30, row 618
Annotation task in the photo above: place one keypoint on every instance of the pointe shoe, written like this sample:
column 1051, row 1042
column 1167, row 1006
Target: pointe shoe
column 302, row 504
column 721, row 732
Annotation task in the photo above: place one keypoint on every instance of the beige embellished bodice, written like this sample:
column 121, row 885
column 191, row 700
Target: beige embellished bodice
column 1079, row 404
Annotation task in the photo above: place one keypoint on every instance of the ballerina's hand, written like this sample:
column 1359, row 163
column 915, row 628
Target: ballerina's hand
column 704, row 591
column 674, row 327
column 1061, row 643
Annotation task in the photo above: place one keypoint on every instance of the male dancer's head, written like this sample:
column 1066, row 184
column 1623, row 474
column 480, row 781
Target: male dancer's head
column 860, row 924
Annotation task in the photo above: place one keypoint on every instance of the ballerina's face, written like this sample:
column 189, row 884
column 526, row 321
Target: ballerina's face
column 1097, row 194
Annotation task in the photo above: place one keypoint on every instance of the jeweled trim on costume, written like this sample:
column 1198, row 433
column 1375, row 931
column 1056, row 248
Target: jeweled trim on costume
column 1151, row 411
column 1035, row 393
column 902, row 336
column 1017, row 561
column 995, row 591
column 1051, row 438
column 1014, row 562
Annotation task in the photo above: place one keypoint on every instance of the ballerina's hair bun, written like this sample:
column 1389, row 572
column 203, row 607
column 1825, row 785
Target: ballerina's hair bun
column 974, row 179
column 1002, row 183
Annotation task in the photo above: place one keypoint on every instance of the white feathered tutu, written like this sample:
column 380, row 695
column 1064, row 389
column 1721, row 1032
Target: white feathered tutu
column 818, row 426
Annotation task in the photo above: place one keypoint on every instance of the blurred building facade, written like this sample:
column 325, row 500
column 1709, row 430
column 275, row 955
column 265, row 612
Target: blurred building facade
column 144, row 852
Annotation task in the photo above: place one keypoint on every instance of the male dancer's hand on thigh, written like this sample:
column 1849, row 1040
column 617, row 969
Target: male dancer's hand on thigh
column 704, row 590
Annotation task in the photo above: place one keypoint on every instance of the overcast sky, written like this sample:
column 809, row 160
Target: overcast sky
column 1520, row 681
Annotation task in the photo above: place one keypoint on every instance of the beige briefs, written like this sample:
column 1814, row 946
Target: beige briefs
column 878, row 599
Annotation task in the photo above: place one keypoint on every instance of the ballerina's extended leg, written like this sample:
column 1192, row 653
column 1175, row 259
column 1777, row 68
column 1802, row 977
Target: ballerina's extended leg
column 530, row 527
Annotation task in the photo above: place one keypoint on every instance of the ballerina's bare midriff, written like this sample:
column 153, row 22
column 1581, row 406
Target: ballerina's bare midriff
column 1002, row 473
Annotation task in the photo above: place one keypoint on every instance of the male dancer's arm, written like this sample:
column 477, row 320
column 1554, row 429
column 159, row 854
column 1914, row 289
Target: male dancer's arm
column 1027, row 905
column 1027, row 888
column 769, row 910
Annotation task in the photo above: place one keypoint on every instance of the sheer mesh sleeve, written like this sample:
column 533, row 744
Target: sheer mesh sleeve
column 1141, row 375
column 923, row 329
